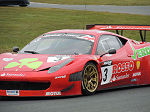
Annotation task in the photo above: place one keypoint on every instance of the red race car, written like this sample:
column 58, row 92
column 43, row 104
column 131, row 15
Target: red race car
column 75, row 62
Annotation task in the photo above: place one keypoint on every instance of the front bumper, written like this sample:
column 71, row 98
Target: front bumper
column 37, row 84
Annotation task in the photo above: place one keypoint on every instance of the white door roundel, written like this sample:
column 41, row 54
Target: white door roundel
column 106, row 69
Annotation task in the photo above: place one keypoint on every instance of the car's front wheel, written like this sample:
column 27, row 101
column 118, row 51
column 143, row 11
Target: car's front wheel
column 90, row 79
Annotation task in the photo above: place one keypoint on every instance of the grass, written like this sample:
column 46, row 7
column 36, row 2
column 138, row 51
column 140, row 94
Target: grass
column 97, row 2
column 18, row 26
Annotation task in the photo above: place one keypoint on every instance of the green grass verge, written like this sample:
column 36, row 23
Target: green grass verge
column 97, row 2
column 18, row 25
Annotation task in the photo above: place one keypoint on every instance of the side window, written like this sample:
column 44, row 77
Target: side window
column 107, row 42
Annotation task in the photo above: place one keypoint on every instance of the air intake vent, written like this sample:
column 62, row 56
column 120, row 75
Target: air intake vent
column 16, row 85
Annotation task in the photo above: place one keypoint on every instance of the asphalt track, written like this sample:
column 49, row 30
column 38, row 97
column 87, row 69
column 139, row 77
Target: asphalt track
column 135, row 99
column 141, row 10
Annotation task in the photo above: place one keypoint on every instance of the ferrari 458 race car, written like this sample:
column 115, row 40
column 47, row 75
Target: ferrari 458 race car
column 75, row 62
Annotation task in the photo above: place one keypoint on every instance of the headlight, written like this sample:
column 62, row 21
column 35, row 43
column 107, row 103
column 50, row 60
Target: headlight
column 57, row 67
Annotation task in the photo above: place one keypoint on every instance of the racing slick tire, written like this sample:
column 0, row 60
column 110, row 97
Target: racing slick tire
column 90, row 79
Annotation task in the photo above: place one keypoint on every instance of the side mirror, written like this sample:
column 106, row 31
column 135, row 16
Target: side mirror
column 15, row 49
column 111, row 51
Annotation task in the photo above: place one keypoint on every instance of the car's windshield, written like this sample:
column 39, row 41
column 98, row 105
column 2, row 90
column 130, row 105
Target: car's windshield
column 61, row 43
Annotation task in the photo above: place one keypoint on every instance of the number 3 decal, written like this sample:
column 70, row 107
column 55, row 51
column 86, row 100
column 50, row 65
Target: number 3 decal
column 106, row 69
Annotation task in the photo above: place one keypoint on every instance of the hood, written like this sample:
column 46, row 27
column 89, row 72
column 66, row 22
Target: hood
column 29, row 62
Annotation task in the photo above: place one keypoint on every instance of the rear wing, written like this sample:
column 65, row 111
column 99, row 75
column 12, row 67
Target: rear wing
column 121, row 27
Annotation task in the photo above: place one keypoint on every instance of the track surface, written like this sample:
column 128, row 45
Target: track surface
column 135, row 99
column 142, row 10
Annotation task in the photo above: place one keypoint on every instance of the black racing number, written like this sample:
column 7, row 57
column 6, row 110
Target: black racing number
column 105, row 71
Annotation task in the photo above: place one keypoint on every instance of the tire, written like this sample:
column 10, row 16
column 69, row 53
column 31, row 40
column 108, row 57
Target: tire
column 90, row 79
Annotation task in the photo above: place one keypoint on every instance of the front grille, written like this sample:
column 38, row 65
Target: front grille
column 17, row 85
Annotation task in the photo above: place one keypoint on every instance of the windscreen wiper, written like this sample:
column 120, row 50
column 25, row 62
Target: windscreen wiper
column 33, row 52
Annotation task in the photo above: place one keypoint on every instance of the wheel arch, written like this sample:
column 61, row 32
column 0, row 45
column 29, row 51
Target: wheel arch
column 98, row 67
column 85, row 90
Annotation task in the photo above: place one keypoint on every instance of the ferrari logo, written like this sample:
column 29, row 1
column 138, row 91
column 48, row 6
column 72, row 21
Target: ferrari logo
column 138, row 64
column 139, row 53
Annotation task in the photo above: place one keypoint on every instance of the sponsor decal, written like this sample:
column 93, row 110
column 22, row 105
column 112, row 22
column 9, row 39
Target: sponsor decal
column 8, row 74
column 133, row 80
column 3, row 74
column 57, row 93
column 29, row 62
column 123, row 67
column 7, row 59
column 139, row 53
column 106, row 69
column 87, row 37
column 57, row 58
column 109, row 27
column 60, row 77
column 12, row 92
column 105, row 27
column 61, row 34
column 107, row 63
column 79, row 36
column 127, row 27
column 117, row 77
column 138, row 64
column 137, row 74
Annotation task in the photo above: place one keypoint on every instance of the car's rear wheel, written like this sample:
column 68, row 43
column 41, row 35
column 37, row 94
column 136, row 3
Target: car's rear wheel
column 90, row 79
